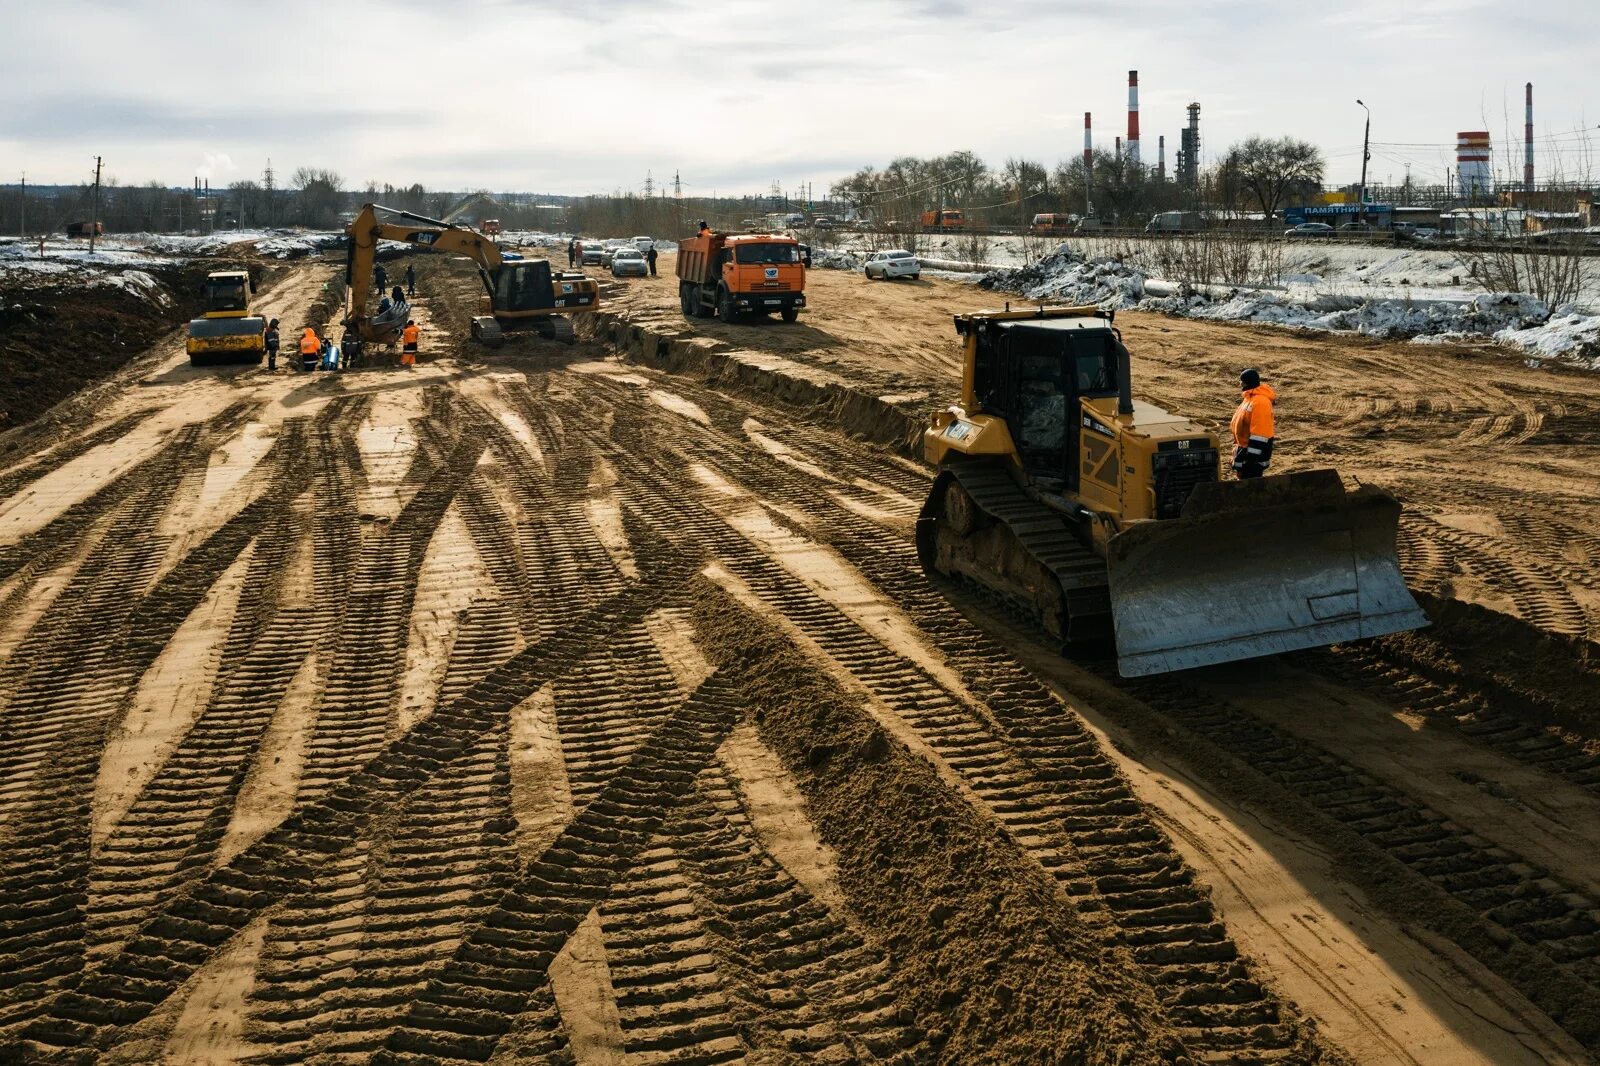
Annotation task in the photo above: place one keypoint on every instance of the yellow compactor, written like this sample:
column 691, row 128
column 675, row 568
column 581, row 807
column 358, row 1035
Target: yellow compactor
column 1105, row 518
column 227, row 332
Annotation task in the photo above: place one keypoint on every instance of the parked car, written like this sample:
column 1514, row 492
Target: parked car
column 629, row 261
column 609, row 249
column 644, row 244
column 1310, row 229
column 591, row 255
column 895, row 263
column 822, row 222
column 1353, row 229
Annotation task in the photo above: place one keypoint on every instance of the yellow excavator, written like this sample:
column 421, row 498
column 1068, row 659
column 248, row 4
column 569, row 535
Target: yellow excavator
column 1104, row 518
column 226, row 331
column 519, row 293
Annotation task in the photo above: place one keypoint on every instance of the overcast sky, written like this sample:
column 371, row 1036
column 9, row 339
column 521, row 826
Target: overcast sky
column 589, row 95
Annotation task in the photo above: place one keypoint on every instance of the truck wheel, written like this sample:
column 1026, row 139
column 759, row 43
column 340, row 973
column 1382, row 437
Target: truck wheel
column 683, row 300
column 790, row 313
column 725, row 305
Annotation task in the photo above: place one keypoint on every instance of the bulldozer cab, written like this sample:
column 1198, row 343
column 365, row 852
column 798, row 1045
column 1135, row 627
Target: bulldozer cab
column 1034, row 374
column 524, row 286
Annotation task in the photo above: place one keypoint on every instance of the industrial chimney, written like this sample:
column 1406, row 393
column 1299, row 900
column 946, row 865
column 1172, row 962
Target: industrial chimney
column 1527, row 144
column 1088, row 166
column 1161, row 158
column 1133, row 117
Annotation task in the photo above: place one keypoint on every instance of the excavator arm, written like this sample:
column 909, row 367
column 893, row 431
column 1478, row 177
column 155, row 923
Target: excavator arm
column 367, row 230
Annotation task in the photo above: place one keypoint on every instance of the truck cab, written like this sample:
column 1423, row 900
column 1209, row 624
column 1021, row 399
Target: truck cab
column 741, row 274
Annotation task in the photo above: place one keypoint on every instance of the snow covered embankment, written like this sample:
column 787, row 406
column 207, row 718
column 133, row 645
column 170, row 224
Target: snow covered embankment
column 1514, row 320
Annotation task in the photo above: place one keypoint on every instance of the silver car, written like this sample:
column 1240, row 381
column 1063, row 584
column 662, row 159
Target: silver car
column 591, row 255
column 895, row 263
column 629, row 261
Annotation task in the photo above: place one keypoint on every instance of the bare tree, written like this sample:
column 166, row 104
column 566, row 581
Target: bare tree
column 321, row 196
column 1268, row 169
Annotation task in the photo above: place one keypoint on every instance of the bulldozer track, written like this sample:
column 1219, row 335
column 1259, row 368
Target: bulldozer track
column 1540, row 590
column 1474, row 712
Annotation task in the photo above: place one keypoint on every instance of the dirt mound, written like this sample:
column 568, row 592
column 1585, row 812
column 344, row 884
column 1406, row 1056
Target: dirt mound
column 1548, row 678
column 998, row 964
column 57, row 337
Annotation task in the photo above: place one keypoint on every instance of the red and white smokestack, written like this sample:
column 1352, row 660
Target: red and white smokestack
column 1527, row 144
column 1133, row 117
column 1088, row 166
column 1161, row 158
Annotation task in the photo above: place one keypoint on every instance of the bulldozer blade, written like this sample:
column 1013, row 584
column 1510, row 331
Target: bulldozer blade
column 1255, row 568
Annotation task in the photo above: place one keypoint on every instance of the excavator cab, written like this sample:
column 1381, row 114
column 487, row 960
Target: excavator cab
column 524, row 286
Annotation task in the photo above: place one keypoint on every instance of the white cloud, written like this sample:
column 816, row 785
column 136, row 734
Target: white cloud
column 550, row 96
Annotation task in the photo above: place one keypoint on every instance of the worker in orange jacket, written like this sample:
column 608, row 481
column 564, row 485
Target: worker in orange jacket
column 310, row 349
column 408, row 347
column 1253, row 428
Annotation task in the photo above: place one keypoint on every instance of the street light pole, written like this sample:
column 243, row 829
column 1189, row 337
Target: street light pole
column 1366, row 139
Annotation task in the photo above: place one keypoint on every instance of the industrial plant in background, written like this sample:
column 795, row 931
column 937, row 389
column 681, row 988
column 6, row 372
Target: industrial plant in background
column 1474, row 175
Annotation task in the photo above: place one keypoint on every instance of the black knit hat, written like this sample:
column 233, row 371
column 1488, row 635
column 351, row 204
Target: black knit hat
column 1249, row 377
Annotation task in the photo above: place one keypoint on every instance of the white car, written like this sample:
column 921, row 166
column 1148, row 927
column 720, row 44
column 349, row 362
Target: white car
column 895, row 263
column 629, row 261
column 644, row 244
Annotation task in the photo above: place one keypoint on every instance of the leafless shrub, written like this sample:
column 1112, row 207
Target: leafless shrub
column 1554, row 276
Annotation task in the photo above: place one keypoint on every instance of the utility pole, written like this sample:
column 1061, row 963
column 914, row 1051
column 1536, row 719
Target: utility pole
column 267, row 185
column 22, row 208
column 1366, row 140
column 649, row 185
column 94, row 218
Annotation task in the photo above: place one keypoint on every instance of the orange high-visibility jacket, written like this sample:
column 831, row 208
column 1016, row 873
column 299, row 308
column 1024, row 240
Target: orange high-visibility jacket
column 309, row 345
column 410, row 334
column 1253, row 419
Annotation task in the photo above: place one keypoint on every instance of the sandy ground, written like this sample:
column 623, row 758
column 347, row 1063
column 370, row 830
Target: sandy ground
column 544, row 707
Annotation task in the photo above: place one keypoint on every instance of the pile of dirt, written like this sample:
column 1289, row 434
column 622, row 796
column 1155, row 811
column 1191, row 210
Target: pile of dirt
column 996, row 963
column 58, row 336
column 1545, row 677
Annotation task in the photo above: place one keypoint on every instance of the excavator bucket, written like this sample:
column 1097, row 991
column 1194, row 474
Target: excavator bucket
column 1258, row 567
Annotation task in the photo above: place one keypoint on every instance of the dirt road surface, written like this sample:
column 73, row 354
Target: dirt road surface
column 546, row 707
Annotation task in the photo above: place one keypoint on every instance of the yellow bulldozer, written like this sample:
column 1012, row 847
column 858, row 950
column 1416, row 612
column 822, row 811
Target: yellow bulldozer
column 227, row 332
column 519, row 293
column 1104, row 518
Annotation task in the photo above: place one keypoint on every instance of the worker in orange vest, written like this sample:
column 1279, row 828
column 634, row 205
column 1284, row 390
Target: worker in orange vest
column 310, row 349
column 1253, row 428
column 408, row 345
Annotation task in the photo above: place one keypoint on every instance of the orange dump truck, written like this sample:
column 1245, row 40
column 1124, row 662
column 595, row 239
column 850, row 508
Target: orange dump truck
column 741, row 274
column 943, row 219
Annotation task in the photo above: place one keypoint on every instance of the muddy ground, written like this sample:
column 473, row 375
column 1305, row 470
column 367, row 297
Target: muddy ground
column 543, row 706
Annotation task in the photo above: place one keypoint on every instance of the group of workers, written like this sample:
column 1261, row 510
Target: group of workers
column 320, row 353
column 380, row 281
